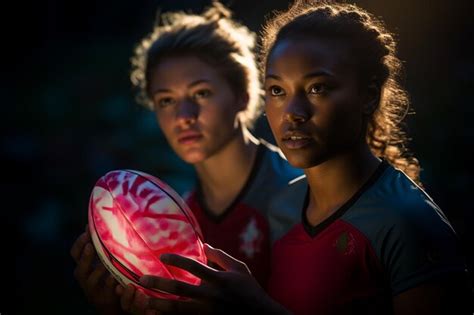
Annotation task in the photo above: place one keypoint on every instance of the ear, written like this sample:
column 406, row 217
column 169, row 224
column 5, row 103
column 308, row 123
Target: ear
column 372, row 97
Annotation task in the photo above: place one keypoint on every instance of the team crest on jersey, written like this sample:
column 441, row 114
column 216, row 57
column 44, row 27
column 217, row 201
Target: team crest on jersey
column 345, row 243
column 251, row 238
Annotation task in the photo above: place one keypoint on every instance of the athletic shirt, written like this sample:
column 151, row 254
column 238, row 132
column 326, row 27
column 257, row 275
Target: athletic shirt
column 389, row 237
column 248, row 227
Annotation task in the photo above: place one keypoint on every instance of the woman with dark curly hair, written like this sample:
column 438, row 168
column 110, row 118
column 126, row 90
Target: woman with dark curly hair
column 370, row 240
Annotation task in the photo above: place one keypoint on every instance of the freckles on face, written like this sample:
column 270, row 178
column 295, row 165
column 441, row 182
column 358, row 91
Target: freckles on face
column 194, row 105
column 312, row 99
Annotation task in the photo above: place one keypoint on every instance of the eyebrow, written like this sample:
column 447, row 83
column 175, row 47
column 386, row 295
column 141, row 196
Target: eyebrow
column 306, row 76
column 190, row 85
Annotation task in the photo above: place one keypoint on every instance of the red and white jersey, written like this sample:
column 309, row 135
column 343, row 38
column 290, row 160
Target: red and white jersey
column 248, row 227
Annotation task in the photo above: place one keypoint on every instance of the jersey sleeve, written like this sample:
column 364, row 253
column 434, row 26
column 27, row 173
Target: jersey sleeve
column 418, row 245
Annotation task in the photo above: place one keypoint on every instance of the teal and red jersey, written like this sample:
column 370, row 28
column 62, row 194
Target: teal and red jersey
column 389, row 237
column 248, row 227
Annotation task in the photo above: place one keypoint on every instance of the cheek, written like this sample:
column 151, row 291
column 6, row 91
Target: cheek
column 165, row 122
column 346, row 122
column 273, row 115
column 347, row 104
column 210, row 117
column 218, row 117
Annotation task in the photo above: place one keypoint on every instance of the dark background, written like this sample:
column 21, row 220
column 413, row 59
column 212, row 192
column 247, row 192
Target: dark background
column 71, row 116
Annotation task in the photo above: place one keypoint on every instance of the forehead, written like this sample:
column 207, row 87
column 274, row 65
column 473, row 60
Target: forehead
column 182, row 70
column 293, row 56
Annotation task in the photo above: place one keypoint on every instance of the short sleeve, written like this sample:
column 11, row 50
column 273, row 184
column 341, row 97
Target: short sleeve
column 418, row 246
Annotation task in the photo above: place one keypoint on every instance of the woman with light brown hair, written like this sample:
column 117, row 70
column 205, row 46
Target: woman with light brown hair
column 199, row 75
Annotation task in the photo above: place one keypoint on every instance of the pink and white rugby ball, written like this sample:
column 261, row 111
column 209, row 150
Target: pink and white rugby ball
column 133, row 219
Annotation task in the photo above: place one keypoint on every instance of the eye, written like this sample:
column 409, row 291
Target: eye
column 165, row 102
column 200, row 94
column 275, row 90
column 318, row 89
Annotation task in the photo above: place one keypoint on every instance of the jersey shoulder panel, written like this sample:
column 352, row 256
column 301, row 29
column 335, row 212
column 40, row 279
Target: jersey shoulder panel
column 273, row 173
column 286, row 207
column 409, row 233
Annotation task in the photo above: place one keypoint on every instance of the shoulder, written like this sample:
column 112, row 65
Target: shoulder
column 286, row 207
column 294, row 191
column 395, row 201
column 274, row 162
column 409, row 233
column 270, row 176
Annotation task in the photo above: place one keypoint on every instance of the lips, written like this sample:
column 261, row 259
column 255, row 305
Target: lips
column 296, row 140
column 189, row 136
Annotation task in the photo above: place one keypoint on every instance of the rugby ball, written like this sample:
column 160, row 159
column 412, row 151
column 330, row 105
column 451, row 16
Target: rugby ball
column 133, row 219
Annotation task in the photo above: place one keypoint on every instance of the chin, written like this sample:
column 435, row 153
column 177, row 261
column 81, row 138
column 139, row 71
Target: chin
column 191, row 156
column 303, row 161
column 194, row 158
column 300, row 163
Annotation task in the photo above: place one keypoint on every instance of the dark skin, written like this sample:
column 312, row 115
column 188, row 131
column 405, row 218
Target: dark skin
column 329, row 112
column 98, row 284
column 232, row 290
column 317, row 109
column 317, row 112
column 94, row 279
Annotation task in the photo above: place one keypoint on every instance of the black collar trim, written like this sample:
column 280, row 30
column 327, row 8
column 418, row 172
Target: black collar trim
column 253, row 174
column 315, row 230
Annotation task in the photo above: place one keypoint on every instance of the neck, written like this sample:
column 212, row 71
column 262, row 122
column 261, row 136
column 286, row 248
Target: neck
column 223, row 175
column 334, row 182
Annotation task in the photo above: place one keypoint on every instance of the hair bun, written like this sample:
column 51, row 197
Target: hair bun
column 217, row 11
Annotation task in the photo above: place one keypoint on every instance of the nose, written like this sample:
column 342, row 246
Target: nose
column 187, row 112
column 297, row 110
